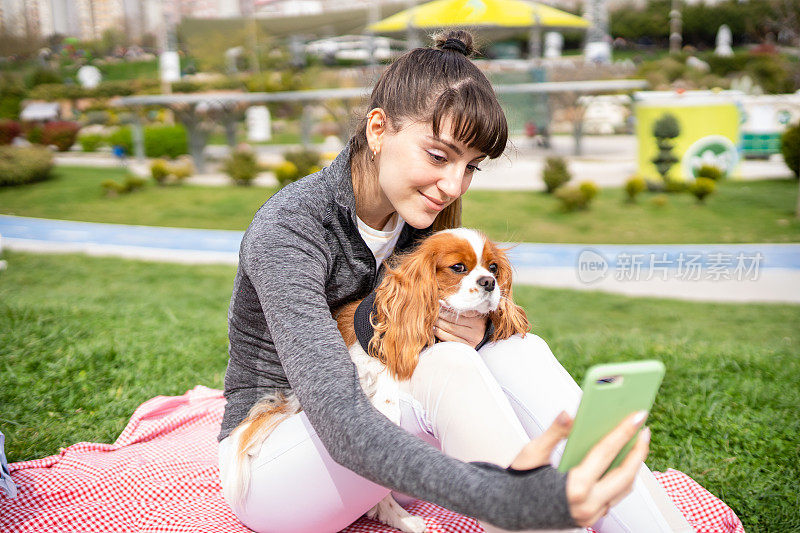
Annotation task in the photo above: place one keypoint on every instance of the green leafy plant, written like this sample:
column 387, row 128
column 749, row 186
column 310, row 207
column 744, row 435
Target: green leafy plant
column 34, row 134
column 130, row 184
column 555, row 173
column 790, row 148
column 286, row 173
column 701, row 188
column 165, row 141
column 20, row 165
column 241, row 166
column 634, row 186
column 91, row 142
column 660, row 200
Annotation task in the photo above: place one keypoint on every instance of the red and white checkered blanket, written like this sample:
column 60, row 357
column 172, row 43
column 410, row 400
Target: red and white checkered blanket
column 161, row 476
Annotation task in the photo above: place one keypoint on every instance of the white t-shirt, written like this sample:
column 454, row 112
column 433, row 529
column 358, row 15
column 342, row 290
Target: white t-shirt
column 381, row 242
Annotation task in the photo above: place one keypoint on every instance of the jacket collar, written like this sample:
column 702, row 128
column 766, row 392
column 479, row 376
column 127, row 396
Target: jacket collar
column 340, row 179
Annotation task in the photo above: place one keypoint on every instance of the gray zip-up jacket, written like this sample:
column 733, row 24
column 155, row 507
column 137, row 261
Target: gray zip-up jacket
column 302, row 257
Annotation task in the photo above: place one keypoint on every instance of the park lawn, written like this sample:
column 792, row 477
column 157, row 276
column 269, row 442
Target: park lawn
column 84, row 341
column 740, row 212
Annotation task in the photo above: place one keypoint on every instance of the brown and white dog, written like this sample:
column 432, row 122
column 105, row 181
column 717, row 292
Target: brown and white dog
column 458, row 269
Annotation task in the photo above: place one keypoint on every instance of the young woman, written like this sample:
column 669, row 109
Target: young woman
column 468, row 416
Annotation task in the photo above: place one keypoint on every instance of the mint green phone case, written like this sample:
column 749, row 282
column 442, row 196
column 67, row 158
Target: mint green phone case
column 610, row 393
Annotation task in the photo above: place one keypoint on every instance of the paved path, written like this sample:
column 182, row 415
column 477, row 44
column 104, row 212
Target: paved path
column 735, row 273
column 607, row 160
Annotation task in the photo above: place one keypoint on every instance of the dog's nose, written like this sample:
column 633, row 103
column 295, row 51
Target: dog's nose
column 487, row 282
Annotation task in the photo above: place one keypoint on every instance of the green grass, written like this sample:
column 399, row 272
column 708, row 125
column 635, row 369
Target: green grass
column 740, row 212
column 83, row 341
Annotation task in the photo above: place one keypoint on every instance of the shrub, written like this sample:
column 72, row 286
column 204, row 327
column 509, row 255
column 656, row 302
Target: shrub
column 304, row 160
column 555, row 173
column 91, row 142
column 675, row 185
column 20, row 165
column 710, row 172
column 574, row 197
column 660, row 200
column 130, row 184
column 34, row 134
column 133, row 183
column 790, row 148
column 182, row 170
column 112, row 188
column 589, row 190
column 122, row 137
column 634, row 186
column 165, row 141
column 9, row 129
column 241, row 166
column 62, row 134
column 286, row 173
column 160, row 171
column 702, row 187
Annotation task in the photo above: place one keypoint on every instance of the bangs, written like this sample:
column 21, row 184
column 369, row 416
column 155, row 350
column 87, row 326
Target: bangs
column 478, row 120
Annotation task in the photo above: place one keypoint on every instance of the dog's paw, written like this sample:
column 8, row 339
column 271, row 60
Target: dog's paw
column 413, row 524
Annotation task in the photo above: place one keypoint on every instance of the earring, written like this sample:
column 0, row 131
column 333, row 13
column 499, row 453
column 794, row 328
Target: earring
column 374, row 153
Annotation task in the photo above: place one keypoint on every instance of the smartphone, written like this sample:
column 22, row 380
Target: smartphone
column 610, row 393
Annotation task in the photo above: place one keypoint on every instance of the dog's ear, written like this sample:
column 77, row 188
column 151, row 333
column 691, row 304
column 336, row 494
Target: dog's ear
column 406, row 306
column 509, row 318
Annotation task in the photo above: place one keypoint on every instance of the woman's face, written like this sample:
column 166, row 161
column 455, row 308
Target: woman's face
column 420, row 174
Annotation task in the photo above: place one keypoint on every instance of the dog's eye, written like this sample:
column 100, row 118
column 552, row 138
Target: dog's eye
column 459, row 268
column 493, row 268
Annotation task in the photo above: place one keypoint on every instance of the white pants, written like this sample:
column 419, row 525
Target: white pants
column 475, row 406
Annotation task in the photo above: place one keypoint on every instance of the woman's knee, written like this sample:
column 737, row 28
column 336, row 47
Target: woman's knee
column 450, row 356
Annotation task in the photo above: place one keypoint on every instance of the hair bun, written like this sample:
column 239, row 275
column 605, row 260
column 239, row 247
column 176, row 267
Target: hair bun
column 457, row 40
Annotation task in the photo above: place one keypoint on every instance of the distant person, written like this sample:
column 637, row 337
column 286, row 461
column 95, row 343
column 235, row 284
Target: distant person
column 320, row 242
column 120, row 153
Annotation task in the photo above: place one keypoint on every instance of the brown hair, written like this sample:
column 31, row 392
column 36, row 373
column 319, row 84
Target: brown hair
column 429, row 85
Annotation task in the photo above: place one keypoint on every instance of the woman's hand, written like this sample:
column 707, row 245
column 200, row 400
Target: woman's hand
column 591, row 494
column 468, row 327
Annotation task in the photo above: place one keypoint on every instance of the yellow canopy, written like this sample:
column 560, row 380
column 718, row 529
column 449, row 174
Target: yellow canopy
column 479, row 13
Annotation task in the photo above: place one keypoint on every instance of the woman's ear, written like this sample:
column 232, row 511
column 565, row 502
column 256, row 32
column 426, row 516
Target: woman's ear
column 376, row 127
column 406, row 307
column 509, row 318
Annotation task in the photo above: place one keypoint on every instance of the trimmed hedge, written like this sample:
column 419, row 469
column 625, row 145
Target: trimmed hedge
column 62, row 134
column 159, row 141
column 9, row 129
column 20, row 165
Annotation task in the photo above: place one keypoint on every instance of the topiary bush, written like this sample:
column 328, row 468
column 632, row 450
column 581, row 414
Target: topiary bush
column 91, row 142
column 634, row 186
column 555, row 173
column 241, row 166
column 710, row 172
column 9, row 130
column 790, row 148
column 165, row 141
column 61, row 134
column 20, row 165
column 182, row 170
column 286, row 173
column 701, row 188
column 665, row 129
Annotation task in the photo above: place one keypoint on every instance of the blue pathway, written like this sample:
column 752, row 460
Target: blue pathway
column 42, row 232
